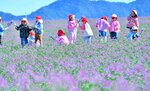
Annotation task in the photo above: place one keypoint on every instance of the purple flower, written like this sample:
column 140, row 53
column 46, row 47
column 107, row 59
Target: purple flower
column 3, row 83
column 121, row 85
column 83, row 75
column 107, row 83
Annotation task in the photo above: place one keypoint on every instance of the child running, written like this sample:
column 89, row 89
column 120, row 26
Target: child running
column 102, row 25
column 114, row 27
column 72, row 28
column 86, row 29
column 132, row 21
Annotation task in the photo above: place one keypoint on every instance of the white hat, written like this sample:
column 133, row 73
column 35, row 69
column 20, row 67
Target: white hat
column 134, row 28
column 135, row 12
column 24, row 19
column 0, row 18
column 114, row 15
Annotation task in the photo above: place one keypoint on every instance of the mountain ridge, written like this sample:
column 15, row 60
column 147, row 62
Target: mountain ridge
column 60, row 9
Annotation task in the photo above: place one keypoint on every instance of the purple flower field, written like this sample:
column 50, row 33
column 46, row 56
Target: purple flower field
column 113, row 66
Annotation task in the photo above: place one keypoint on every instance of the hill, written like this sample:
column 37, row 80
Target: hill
column 91, row 9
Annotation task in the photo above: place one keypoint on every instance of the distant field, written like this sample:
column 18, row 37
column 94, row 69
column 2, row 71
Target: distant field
column 113, row 66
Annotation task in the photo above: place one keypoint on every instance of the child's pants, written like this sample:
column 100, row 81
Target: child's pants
column 73, row 36
column 24, row 41
column 103, row 35
column 38, row 37
column 132, row 35
column 113, row 35
column 87, row 39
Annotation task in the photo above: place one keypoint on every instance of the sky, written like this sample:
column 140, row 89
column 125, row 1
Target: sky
column 25, row 7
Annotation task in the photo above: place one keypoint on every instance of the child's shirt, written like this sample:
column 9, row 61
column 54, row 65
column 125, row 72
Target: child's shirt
column 132, row 22
column 24, row 30
column 72, row 25
column 102, row 25
column 87, row 31
column 39, row 27
column 114, row 26
column 62, row 40
column 31, row 38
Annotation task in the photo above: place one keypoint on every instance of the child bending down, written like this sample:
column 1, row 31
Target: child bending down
column 62, row 38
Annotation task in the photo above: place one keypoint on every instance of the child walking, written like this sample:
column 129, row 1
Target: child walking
column 86, row 29
column 2, row 28
column 62, row 38
column 72, row 28
column 114, row 27
column 24, row 31
column 102, row 25
column 38, row 28
column 132, row 21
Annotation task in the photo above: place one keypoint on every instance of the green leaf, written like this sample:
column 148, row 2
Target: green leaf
column 86, row 86
column 75, row 71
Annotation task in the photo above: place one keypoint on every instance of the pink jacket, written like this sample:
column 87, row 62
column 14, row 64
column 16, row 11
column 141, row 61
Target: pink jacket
column 72, row 25
column 114, row 26
column 62, row 40
column 102, row 25
column 132, row 22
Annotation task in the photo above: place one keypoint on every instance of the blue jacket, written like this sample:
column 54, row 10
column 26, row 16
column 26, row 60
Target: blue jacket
column 39, row 28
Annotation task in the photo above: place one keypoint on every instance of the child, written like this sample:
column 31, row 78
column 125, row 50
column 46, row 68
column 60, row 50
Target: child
column 38, row 28
column 2, row 28
column 114, row 27
column 31, row 38
column 102, row 25
column 87, row 31
column 72, row 28
column 134, row 29
column 62, row 38
column 24, row 31
column 132, row 21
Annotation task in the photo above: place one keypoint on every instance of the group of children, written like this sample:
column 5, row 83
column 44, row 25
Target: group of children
column 103, row 26
column 72, row 29
column 31, row 35
column 114, row 26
